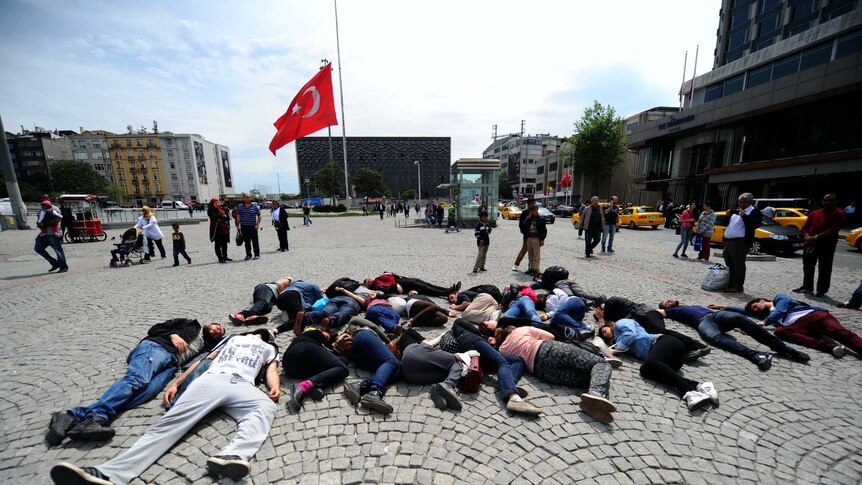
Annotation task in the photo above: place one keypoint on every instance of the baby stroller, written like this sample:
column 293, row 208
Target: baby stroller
column 129, row 249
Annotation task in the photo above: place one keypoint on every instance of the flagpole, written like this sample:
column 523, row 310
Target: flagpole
column 341, row 94
column 693, row 75
column 684, row 66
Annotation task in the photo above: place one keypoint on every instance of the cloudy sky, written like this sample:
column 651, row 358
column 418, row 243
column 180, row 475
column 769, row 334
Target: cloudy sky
column 228, row 70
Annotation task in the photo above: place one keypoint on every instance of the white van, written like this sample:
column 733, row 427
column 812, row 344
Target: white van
column 174, row 204
column 6, row 207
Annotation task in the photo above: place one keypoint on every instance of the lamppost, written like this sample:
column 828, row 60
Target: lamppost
column 419, row 172
column 307, row 189
column 279, row 184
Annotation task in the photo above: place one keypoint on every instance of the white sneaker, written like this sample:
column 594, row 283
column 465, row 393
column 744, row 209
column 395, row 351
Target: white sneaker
column 514, row 267
column 709, row 389
column 695, row 399
column 284, row 316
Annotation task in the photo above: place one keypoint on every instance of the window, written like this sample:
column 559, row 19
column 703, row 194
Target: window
column 97, row 155
column 802, row 9
column 128, row 143
column 80, row 156
column 174, row 176
column 138, row 142
column 158, row 188
column 769, row 25
column 713, row 92
column 818, row 55
column 737, row 40
column 97, row 145
column 764, row 44
column 170, row 153
column 786, row 67
column 849, row 44
column 131, row 154
column 173, row 165
column 154, row 164
column 760, row 75
column 186, row 153
column 155, row 176
column 739, row 18
column 152, row 152
column 140, row 154
column 766, row 5
column 119, row 165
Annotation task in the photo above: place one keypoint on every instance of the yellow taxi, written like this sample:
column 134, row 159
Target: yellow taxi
column 641, row 215
column 854, row 239
column 770, row 237
column 511, row 212
column 788, row 216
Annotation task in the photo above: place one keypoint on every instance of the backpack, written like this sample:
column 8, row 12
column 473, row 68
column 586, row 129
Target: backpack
column 489, row 289
column 346, row 283
column 553, row 274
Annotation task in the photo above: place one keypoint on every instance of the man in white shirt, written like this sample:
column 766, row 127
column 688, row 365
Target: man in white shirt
column 229, row 385
column 738, row 238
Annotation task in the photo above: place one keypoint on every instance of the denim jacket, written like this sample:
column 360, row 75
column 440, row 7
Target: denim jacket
column 782, row 306
column 629, row 335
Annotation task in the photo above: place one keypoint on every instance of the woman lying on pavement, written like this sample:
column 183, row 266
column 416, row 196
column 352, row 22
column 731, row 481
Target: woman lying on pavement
column 663, row 356
column 393, row 283
column 334, row 315
column 563, row 309
column 561, row 363
column 423, row 363
column 509, row 369
column 309, row 356
column 369, row 353
column 422, row 312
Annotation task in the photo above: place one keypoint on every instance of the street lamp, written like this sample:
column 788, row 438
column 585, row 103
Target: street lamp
column 419, row 172
column 307, row 189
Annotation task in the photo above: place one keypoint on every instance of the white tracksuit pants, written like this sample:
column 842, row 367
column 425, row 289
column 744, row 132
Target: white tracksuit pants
column 245, row 403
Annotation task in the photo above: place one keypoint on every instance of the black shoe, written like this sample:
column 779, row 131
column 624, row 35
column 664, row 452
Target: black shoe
column 92, row 429
column 696, row 354
column 228, row 259
column 230, row 466
column 445, row 395
column 352, row 393
column 796, row 355
column 248, row 258
column 64, row 473
column 294, row 404
column 175, row 264
column 802, row 290
column 458, row 286
column 374, row 401
column 820, row 294
column 256, row 257
column 61, row 423
column 63, row 270
column 764, row 362
column 54, row 267
column 316, row 394
column 846, row 304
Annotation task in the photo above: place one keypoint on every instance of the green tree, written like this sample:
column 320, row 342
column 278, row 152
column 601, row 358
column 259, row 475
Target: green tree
column 73, row 177
column 408, row 194
column 599, row 143
column 330, row 179
column 370, row 182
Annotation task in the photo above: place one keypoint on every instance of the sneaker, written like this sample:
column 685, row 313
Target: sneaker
column 514, row 267
column 92, row 429
column 683, row 255
column 175, row 265
column 445, row 395
column 297, row 323
column 696, row 354
column 846, row 304
column 256, row 257
column 248, row 258
column 592, row 400
column 316, row 394
column 256, row 319
column 230, row 466
column 352, row 393
column 709, row 389
column 55, row 267
column 764, row 362
column 64, row 473
column 482, row 269
column 237, row 318
column 796, row 355
column 63, row 270
column 802, row 290
column 475, row 270
column 61, row 423
column 614, row 362
column 675, row 255
column 294, row 403
column 522, row 393
column 374, row 401
column 695, row 399
column 228, row 259
column 838, row 351
column 522, row 407
column 603, row 250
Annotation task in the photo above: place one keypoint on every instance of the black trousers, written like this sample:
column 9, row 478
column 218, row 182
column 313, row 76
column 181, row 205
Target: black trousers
column 422, row 287
column 821, row 254
column 592, row 239
column 653, row 322
column 158, row 242
column 663, row 362
column 309, row 360
column 282, row 239
column 249, row 235
column 220, row 242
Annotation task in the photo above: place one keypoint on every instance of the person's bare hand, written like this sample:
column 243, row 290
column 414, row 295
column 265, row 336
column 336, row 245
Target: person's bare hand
column 600, row 313
column 716, row 306
column 170, row 392
column 274, row 394
column 543, row 317
column 179, row 343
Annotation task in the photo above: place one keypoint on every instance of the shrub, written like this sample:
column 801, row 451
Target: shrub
column 329, row 208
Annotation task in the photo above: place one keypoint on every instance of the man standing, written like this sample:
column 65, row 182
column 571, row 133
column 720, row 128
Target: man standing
column 67, row 218
column 738, row 238
column 47, row 221
column 247, row 217
column 151, row 365
column 592, row 221
column 306, row 214
column 612, row 217
column 531, row 203
column 279, row 220
column 534, row 231
column 821, row 235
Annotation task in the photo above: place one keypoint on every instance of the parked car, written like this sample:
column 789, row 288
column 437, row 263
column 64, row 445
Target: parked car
column 564, row 210
column 787, row 216
column 174, row 204
column 511, row 212
column 770, row 237
column 854, row 239
column 547, row 215
column 639, row 216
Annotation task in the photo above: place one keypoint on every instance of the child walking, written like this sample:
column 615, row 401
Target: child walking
column 483, row 240
column 179, row 245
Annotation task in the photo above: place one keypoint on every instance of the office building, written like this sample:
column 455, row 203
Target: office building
column 518, row 155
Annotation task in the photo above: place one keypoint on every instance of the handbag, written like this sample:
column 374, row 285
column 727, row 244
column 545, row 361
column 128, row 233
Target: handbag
column 448, row 343
column 473, row 380
column 239, row 239
column 698, row 242
column 717, row 277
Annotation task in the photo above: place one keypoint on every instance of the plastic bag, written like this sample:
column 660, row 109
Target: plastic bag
column 698, row 242
column 717, row 277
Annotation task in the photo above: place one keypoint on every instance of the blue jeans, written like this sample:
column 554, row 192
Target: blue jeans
column 608, row 233
column 684, row 238
column 523, row 307
column 713, row 327
column 383, row 315
column 263, row 300
column 150, row 368
column 371, row 354
column 856, row 299
column 340, row 308
column 509, row 369
column 571, row 313
column 45, row 240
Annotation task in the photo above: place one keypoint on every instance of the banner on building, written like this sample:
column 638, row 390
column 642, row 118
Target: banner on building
column 225, row 164
column 201, row 164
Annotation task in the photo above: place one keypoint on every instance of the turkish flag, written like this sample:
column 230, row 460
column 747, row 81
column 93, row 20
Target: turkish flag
column 312, row 108
column 567, row 179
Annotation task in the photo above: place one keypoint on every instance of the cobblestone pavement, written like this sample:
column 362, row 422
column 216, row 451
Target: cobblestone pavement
column 66, row 337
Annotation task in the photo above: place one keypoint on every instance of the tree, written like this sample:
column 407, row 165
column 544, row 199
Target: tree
column 408, row 194
column 599, row 143
column 370, row 182
column 330, row 179
column 73, row 177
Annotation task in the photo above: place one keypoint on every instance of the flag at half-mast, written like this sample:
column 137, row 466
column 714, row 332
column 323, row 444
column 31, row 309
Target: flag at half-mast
column 312, row 108
column 567, row 179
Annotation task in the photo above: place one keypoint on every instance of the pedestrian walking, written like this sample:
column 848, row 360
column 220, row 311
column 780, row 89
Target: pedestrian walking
column 191, row 212
column 247, row 218
column 483, row 240
column 179, row 245
column 306, row 214
column 67, row 218
column 592, row 222
column 686, row 221
column 612, row 220
column 738, row 238
column 148, row 223
column 47, row 221
column 821, row 236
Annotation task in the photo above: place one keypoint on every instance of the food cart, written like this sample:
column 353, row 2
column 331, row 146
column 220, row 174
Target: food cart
column 87, row 218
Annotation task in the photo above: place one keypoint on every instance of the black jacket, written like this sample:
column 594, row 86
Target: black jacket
column 161, row 332
column 541, row 229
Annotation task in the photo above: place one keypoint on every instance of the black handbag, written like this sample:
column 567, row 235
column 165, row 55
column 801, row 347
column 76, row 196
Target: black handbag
column 239, row 239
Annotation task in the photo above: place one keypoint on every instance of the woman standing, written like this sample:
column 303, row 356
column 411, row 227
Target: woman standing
column 686, row 220
column 706, row 228
column 219, row 229
column 150, row 226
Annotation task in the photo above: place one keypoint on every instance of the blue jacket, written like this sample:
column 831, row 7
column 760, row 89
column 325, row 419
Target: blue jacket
column 629, row 335
column 783, row 306
column 309, row 291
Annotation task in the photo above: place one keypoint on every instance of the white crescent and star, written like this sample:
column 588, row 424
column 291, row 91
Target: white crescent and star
column 314, row 107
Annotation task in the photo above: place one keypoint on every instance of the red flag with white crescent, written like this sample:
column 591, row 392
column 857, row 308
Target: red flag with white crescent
column 312, row 108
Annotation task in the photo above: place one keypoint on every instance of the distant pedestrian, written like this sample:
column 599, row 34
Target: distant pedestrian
column 581, row 209
column 592, row 221
column 179, row 245
column 247, row 219
column 738, row 239
column 364, row 209
column 686, row 221
column 219, row 229
column 612, row 219
column 279, row 220
column 705, row 229
column 150, row 227
column 306, row 214
column 67, row 218
column 452, row 221
column 47, row 221
column 381, row 208
column 483, row 240
column 191, row 212
column 438, row 213
column 821, row 236
column 523, row 251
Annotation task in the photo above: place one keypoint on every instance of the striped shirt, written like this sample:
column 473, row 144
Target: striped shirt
column 248, row 214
